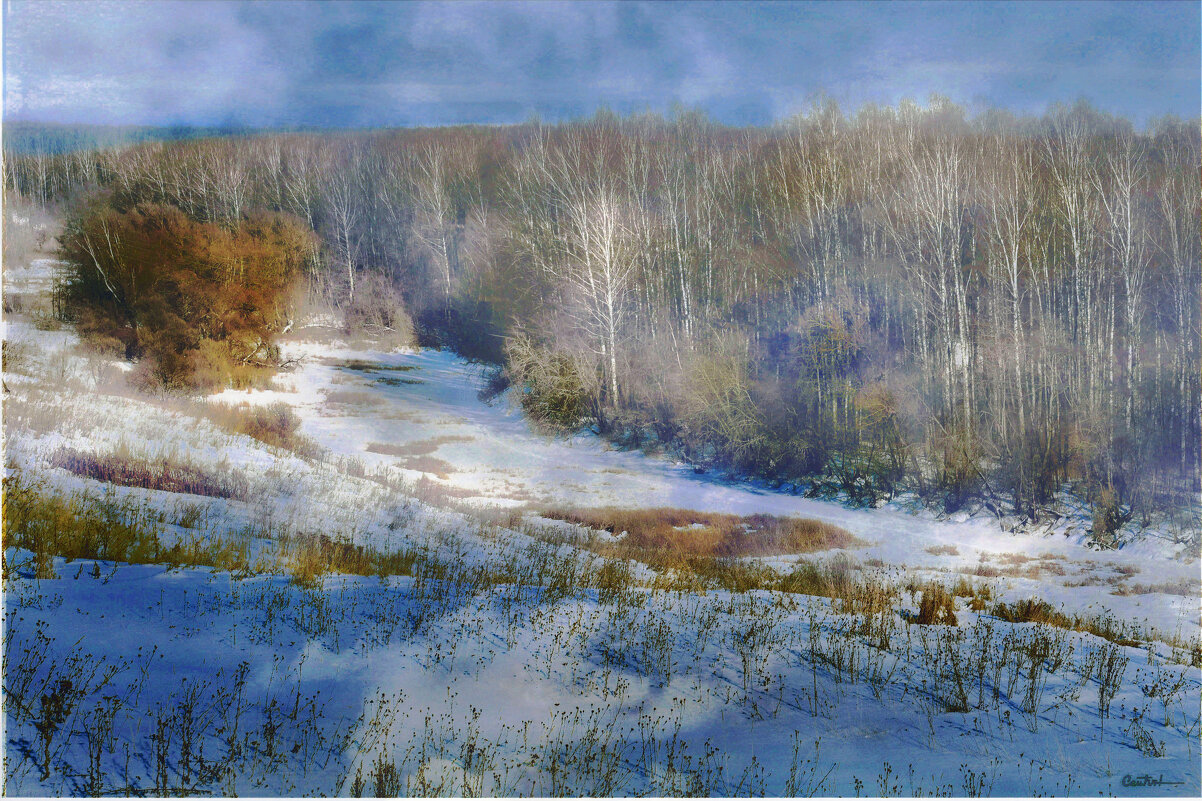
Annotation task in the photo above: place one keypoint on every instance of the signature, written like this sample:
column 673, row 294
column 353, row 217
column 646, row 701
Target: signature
column 1146, row 781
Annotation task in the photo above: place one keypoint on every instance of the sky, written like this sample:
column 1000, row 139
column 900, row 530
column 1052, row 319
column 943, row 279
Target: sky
column 351, row 64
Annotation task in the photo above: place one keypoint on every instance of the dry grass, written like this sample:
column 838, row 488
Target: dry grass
column 275, row 425
column 1017, row 565
column 164, row 474
column 351, row 397
column 1012, row 571
column 435, row 494
column 359, row 365
column 1185, row 588
column 421, row 447
column 943, row 550
column 978, row 595
column 1035, row 610
column 84, row 526
column 79, row 525
column 937, row 605
column 1055, row 568
column 697, row 551
column 837, row 578
column 429, row 464
column 689, row 533
column 307, row 558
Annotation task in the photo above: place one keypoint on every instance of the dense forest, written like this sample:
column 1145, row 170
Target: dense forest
column 986, row 309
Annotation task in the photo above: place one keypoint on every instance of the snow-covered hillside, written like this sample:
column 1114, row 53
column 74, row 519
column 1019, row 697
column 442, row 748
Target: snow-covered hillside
column 503, row 656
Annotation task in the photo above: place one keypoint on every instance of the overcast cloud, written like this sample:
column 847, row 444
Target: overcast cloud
column 352, row 64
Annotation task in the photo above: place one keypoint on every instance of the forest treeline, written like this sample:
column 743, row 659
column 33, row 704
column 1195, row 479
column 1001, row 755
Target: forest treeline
column 988, row 308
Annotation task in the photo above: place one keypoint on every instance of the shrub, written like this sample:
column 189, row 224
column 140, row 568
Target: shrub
column 1109, row 516
column 274, row 424
column 957, row 453
column 551, row 386
column 14, row 356
column 209, row 369
column 378, row 310
column 471, row 328
column 495, row 383
column 1035, row 466
column 162, row 284
column 719, row 420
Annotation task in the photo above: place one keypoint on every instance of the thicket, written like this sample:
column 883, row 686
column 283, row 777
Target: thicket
column 200, row 302
column 990, row 308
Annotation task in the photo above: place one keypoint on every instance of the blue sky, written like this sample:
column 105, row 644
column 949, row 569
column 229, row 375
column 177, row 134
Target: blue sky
column 367, row 63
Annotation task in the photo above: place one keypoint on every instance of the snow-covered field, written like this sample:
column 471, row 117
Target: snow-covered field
column 505, row 662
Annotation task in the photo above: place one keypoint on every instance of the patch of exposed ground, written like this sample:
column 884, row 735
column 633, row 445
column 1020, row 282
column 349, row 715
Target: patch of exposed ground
column 421, row 447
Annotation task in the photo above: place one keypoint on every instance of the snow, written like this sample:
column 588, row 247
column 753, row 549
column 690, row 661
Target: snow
column 461, row 679
column 492, row 452
column 503, row 687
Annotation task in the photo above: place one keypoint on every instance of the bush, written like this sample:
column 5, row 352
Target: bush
column 551, row 386
column 378, row 310
column 209, row 369
column 1109, row 515
column 199, row 301
column 469, row 327
column 719, row 420
column 956, row 450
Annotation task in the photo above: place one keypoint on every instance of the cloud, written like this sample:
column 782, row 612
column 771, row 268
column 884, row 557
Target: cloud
column 370, row 63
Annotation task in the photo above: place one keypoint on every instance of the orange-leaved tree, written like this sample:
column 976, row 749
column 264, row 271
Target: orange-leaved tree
column 200, row 302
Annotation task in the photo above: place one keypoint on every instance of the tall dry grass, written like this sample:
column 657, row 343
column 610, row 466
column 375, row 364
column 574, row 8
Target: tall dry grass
column 275, row 424
column 80, row 525
column 167, row 474
column 690, row 533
